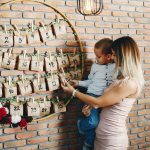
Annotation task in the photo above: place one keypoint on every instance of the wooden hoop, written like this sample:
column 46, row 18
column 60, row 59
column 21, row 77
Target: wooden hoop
column 73, row 29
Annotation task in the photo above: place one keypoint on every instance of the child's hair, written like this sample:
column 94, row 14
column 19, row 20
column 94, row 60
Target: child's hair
column 104, row 45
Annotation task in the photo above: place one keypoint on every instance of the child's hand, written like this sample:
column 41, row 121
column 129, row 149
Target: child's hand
column 74, row 83
column 86, row 110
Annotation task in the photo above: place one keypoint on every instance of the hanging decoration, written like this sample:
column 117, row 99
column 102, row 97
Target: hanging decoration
column 90, row 7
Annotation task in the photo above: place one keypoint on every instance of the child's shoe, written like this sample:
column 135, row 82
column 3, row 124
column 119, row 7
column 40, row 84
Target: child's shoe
column 87, row 147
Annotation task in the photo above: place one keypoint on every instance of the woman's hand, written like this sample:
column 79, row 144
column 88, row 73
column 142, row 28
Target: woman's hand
column 67, row 87
column 86, row 110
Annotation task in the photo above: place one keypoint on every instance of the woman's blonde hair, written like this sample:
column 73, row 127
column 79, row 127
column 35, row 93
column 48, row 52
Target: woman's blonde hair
column 128, row 62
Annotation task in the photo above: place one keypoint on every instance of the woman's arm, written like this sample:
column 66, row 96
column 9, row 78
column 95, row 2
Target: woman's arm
column 110, row 97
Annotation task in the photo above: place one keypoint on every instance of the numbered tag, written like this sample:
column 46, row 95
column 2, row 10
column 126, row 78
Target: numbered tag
column 53, row 83
column 23, row 63
column 45, row 108
column 6, row 40
column 50, row 64
column 76, row 75
column 74, row 60
column 33, row 38
column 37, row 65
column 24, row 87
column 8, row 61
column 16, row 108
column 59, row 107
column 20, row 40
column 59, row 28
column 33, row 109
column 46, row 34
column 39, row 86
column 63, row 61
column 66, row 77
column 10, row 90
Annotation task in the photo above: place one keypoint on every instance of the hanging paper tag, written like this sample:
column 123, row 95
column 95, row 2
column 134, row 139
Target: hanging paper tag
column 23, row 63
column 8, row 61
column 50, row 64
column 59, row 107
column 74, row 60
column 33, row 38
column 36, row 64
column 6, row 40
column 16, row 108
column 76, row 75
column 20, row 40
column 63, row 61
column 46, row 34
column 53, row 83
column 33, row 109
column 10, row 90
column 45, row 108
column 59, row 28
column 39, row 86
column 24, row 87
column 65, row 77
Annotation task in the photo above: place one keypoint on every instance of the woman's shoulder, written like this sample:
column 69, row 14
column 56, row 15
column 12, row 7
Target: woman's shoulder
column 129, row 85
column 127, row 81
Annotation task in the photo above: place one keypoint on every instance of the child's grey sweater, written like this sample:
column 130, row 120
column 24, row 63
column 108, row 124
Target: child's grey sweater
column 99, row 78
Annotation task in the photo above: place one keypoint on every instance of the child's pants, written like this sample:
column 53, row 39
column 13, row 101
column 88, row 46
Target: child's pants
column 87, row 125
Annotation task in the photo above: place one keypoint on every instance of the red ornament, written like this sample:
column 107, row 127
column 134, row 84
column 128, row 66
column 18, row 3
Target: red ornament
column 3, row 113
column 9, row 120
column 23, row 123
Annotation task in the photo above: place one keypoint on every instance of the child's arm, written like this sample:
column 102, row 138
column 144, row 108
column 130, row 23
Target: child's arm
column 74, row 83
column 87, row 82
column 84, row 83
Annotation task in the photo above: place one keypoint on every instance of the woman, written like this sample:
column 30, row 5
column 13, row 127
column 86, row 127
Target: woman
column 118, row 98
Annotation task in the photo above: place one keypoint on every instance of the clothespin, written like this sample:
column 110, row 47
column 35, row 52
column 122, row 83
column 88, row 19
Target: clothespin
column 61, row 52
column 57, row 19
column 17, row 99
column 44, row 99
column 9, row 80
column 9, row 52
column 32, row 27
column 45, row 54
column 75, row 67
column 52, row 76
column 33, row 99
column 63, row 71
column 38, row 78
column 43, row 25
column 5, row 29
column 38, row 54
column 17, row 29
column 57, row 99
column 50, row 58
column 22, row 78
column 64, row 75
column 24, row 54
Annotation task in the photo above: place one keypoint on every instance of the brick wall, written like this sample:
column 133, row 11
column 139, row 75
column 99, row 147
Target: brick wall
column 118, row 18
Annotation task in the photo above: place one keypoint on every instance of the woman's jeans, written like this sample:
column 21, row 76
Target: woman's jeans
column 87, row 125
